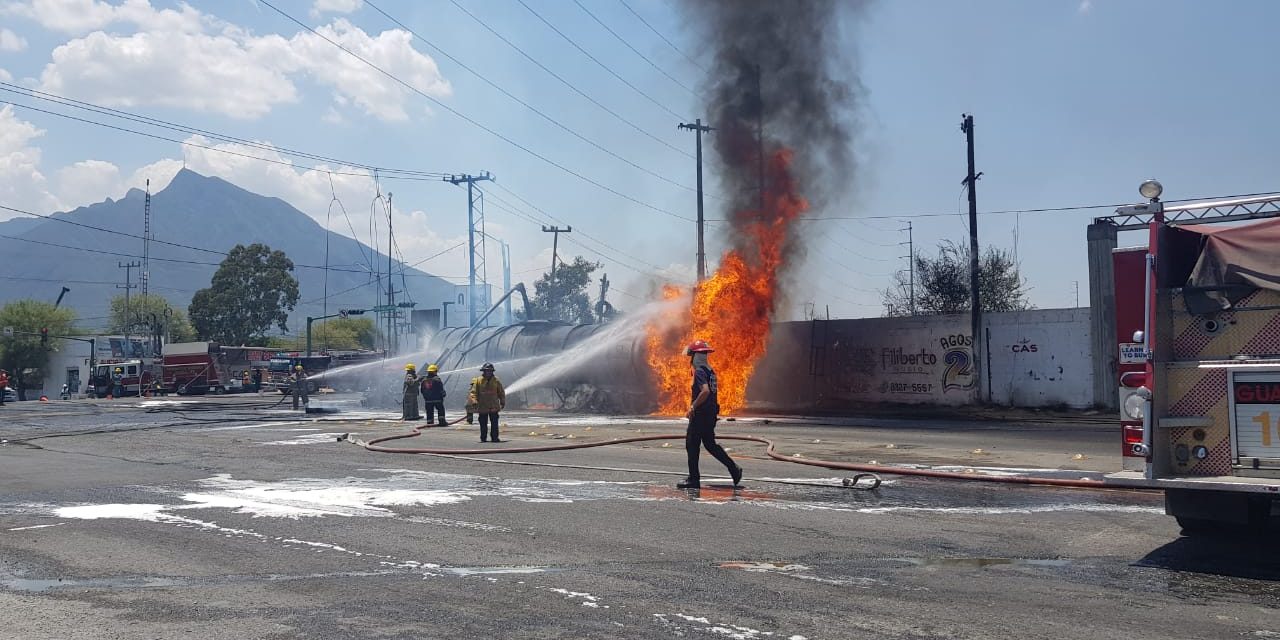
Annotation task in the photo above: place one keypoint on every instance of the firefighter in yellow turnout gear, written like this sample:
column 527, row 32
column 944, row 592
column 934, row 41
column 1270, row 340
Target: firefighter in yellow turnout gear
column 409, row 402
column 487, row 398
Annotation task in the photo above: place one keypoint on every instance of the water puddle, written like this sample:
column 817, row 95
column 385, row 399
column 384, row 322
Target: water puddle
column 489, row 571
column 38, row 585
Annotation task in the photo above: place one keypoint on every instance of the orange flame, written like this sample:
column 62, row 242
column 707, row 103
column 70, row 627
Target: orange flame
column 731, row 309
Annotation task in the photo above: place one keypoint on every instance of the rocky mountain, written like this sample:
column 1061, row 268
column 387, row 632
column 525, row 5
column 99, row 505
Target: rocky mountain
column 200, row 212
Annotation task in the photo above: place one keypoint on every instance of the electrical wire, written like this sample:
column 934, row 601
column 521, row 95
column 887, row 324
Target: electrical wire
column 633, row 49
column 539, row 64
column 664, row 38
column 445, row 106
column 602, row 65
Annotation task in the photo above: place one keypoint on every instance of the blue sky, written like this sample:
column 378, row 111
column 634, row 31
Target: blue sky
column 1075, row 103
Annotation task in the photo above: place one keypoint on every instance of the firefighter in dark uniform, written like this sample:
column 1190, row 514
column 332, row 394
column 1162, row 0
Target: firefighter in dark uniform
column 409, row 401
column 433, row 394
column 299, row 387
column 702, row 415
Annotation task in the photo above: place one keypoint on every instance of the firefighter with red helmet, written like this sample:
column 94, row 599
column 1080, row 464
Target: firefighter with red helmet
column 704, row 408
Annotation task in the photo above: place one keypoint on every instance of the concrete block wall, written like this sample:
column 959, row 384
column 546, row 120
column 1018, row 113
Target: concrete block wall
column 1036, row 359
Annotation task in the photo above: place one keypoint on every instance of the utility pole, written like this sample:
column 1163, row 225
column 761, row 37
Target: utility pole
column 128, row 284
column 760, row 133
column 506, row 279
column 471, row 234
column 911, row 265
column 555, row 245
column 975, row 300
column 698, row 128
column 1076, row 284
column 391, row 288
column 146, row 242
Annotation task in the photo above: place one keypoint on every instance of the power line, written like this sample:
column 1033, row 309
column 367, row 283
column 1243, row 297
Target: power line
column 181, row 128
column 659, row 34
column 538, row 111
column 553, row 74
column 602, row 65
column 471, row 120
column 633, row 49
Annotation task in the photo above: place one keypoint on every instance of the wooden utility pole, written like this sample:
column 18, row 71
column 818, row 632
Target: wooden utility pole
column 698, row 128
column 975, row 299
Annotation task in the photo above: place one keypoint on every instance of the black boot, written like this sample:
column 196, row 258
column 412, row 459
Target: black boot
column 689, row 483
column 736, row 474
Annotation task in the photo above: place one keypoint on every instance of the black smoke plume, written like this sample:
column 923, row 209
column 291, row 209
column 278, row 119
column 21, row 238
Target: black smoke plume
column 778, row 80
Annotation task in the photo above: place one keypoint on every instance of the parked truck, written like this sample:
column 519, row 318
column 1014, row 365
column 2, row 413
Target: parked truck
column 1198, row 348
column 136, row 376
column 194, row 368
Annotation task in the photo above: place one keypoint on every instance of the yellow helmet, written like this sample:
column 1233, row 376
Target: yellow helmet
column 410, row 367
column 119, row 370
column 431, row 368
column 297, row 368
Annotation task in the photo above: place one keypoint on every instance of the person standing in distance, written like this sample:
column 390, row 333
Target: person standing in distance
column 299, row 390
column 703, row 414
column 433, row 394
column 487, row 398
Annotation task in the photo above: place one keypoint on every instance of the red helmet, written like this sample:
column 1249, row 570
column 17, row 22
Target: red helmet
column 698, row 346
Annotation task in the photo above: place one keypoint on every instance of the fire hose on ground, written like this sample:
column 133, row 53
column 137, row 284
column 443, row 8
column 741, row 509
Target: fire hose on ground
column 865, row 472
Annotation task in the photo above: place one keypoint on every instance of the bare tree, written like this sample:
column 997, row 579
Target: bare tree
column 942, row 283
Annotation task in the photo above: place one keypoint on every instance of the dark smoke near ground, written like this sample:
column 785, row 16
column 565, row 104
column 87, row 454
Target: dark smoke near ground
column 778, row 63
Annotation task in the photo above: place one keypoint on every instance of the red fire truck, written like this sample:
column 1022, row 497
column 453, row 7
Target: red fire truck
column 136, row 377
column 200, row 367
column 1198, row 324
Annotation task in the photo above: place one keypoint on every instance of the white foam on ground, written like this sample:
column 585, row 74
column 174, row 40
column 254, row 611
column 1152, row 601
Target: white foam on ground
column 588, row 600
column 38, row 526
column 728, row 630
column 308, row 438
column 799, row 572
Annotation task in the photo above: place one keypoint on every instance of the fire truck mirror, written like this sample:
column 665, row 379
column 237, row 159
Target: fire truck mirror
column 1139, row 336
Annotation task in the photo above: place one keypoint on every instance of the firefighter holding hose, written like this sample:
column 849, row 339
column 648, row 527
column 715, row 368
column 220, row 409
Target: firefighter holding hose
column 487, row 397
column 433, row 394
column 702, row 415
column 299, row 389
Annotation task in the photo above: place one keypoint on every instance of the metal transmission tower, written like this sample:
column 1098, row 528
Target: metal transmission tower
column 506, row 280
column 698, row 128
column 146, row 242
column 473, row 239
column 911, row 265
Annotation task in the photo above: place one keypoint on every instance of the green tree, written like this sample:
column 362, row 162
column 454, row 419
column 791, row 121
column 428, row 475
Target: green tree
column 345, row 333
column 565, row 297
column 252, row 291
column 175, row 324
column 22, row 355
column 942, row 283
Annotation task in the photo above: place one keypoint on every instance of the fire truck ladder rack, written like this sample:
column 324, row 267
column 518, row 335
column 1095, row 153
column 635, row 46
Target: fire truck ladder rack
column 1132, row 218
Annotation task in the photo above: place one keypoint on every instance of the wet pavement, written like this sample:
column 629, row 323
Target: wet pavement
column 232, row 518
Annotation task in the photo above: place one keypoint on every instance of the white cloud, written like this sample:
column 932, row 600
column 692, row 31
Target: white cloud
column 87, row 182
column 10, row 41
column 22, row 185
column 82, row 16
column 5, row 76
column 1085, row 6
column 335, row 6
column 185, row 59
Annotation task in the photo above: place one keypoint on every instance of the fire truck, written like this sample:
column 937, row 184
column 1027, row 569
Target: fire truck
column 193, row 368
column 1198, row 355
column 136, row 377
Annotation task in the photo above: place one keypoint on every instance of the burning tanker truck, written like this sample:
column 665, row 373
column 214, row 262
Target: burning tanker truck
column 780, row 98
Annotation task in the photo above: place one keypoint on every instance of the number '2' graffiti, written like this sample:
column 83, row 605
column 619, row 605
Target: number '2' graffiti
column 958, row 374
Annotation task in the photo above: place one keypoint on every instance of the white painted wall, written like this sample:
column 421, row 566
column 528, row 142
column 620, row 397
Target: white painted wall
column 1040, row 358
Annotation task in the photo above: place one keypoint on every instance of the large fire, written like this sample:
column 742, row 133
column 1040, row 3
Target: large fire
column 733, row 307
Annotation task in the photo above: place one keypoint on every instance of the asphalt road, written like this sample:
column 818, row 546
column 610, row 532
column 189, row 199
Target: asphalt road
column 233, row 520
